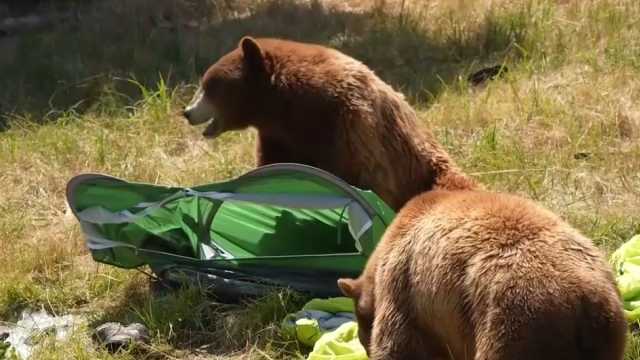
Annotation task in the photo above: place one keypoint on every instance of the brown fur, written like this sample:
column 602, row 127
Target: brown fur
column 317, row 106
column 486, row 276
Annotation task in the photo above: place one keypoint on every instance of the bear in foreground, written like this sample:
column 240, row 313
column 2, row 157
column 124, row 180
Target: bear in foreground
column 316, row 106
column 486, row 276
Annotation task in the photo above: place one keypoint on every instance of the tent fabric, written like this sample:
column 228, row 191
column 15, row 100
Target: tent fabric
column 359, row 221
column 329, row 326
column 284, row 220
column 340, row 344
column 626, row 263
column 317, row 317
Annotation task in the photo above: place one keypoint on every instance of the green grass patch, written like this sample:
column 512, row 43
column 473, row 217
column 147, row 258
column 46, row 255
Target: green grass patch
column 562, row 126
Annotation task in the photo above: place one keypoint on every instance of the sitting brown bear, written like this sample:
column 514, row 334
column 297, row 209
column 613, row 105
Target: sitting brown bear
column 486, row 276
column 316, row 106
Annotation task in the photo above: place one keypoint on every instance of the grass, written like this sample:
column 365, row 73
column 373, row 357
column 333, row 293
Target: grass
column 562, row 127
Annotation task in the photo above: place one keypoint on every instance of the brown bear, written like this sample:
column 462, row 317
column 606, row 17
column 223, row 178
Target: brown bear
column 486, row 276
column 317, row 106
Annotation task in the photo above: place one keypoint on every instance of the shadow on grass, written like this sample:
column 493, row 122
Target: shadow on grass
column 81, row 65
column 190, row 318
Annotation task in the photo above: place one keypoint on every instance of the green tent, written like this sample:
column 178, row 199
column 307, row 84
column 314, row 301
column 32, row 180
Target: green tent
column 279, row 225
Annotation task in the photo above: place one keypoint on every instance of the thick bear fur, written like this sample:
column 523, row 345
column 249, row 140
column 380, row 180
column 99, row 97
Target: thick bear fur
column 316, row 106
column 486, row 276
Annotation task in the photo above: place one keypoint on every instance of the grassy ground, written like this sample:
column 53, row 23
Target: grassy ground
column 562, row 127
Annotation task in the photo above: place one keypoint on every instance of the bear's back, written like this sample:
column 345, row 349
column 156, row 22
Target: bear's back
column 320, row 69
column 474, row 256
column 500, row 219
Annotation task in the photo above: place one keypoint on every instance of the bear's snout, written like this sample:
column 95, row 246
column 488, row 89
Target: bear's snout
column 188, row 114
column 199, row 110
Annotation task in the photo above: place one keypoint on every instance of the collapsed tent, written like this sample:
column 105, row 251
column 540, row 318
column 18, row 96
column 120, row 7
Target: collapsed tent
column 285, row 225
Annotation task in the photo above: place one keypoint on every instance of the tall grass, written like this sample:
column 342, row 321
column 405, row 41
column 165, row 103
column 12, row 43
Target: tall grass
column 561, row 126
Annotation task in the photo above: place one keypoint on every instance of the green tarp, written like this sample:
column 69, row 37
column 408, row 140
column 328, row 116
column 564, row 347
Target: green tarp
column 626, row 263
column 286, row 222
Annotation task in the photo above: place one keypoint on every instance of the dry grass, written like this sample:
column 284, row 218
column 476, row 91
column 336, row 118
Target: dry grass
column 562, row 127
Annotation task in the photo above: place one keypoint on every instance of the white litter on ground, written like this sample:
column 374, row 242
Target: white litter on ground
column 24, row 335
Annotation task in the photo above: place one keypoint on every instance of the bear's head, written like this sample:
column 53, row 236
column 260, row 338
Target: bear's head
column 364, row 304
column 232, row 90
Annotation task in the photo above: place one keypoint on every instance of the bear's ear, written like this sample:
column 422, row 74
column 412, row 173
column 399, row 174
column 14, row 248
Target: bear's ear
column 350, row 287
column 252, row 54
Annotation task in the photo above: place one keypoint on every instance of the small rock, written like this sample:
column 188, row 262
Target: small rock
column 481, row 76
column 582, row 155
column 114, row 336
